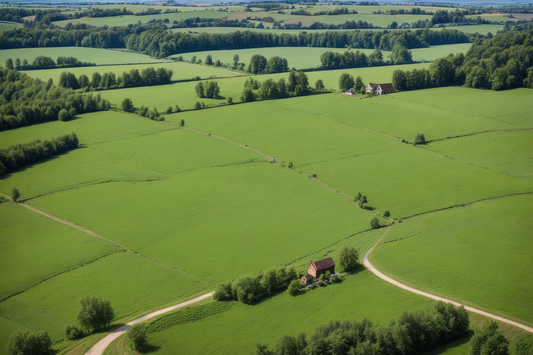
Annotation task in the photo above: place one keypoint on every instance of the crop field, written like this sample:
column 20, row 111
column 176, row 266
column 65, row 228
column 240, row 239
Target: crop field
column 376, row 20
column 479, row 254
column 132, row 283
column 482, row 29
column 201, row 219
column 358, row 296
column 435, row 52
column 98, row 56
column 132, row 19
column 184, row 94
column 508, row 153
column 181, row 71
column 141, row 8
column 369, row 9
column 494, row 17
column 55, row 248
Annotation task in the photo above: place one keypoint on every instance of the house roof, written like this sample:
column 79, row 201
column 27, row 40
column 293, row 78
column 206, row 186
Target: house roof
column 307, row 277
column 386, row 87
column 323, row 264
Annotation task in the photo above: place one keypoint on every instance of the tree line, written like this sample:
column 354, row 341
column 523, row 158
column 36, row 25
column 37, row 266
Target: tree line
column 296, row 85
column 502, row 62
column 252, row 288
column 413, row 333
column 348, row 25
column 25, row 100
column 154, row 40
column 260, row 65
column 17, row 155
column 43, row 62
column 336, row 11
column 133, row 78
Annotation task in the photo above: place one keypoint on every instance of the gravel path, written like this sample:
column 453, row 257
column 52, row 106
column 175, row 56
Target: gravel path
column 418, row 292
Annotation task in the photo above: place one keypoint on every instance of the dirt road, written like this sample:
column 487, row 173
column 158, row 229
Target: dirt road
column 99, row 347
column 410, row 289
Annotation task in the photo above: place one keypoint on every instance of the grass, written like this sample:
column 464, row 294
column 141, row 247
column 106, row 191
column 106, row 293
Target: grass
column 184, row 95
column 35, row 248
column 435, row 52
column 98, row 56
column 241, row 327
column 478, row 254
column 9, row 25
column 505, row 152
column 482, row 29
column 132, row 283
column 376, row 20
column 132, row 19
column 200, row 220
column 181, row 71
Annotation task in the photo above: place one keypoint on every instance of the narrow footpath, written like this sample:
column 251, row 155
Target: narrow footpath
column 376, row 272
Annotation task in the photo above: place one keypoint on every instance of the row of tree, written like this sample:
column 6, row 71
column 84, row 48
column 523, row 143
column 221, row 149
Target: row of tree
column 43, row 62
column 260, row 65
column 252, row 288
column 296, row 85
column 413, row 333
column 154, row 39
column 133, row 78
column 17, row 155
column 348, row 59
column 208, row 89
column 499, row 63
column 25, row 100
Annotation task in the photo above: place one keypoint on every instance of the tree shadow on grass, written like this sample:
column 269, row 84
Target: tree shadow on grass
column 149, row 348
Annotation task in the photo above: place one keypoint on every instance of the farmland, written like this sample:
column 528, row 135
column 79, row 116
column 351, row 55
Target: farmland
column 98, row 56
column 490, row 247
column 160, row 211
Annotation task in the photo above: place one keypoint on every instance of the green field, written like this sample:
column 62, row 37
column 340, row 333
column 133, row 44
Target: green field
column 376, row 20
column 132, row 19
column 480, row 254
column 508, row 153
column 9, row 25
column 358, row 296
column 55, row 249
column 98, row 56
column 482, row 29
column 181, row 71
column 184, row 95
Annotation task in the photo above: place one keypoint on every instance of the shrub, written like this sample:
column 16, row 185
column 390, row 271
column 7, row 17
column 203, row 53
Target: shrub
column 137, row 336
column 169, row 110
column 15, row 194
column 294, row 287
column 374, row 223
column 64, row 115
column 348, row 258
column 73, row 332
column 386, row 214
column 24, row 342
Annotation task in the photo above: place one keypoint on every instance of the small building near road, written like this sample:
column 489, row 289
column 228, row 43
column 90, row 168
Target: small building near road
column 379, row 89
column 307, row 279
column 320, row 267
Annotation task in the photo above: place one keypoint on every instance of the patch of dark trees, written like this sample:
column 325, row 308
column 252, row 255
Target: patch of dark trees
column 348, row 25
column 18, row 14
column 336, row 11
column 154, row 40
column 43, row 62
column 296, row 85
column 413, row 333
column 24, row 100
column 133, row 78
column 250, row 289
column 260, row 65
column 502, row 62
column 413, row 11
column 18, row 155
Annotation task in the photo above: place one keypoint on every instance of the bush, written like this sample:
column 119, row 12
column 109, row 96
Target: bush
column 294, row 287
column 95, row 313
column 127, row 105
column 169, row 110
column 348, row 258
column 137, row 336
column 386, row 214
column 26, row 343
column 420, row 138
column 73, row 332
column 15, row 194
column 64, row 115
column 374, row 223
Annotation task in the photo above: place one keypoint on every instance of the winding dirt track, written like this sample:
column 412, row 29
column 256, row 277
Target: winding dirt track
column 99, row 347
column 410, row 289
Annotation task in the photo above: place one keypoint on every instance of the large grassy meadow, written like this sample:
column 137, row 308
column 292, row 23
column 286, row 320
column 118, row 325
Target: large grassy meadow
column 479, row 254
column 99, row 56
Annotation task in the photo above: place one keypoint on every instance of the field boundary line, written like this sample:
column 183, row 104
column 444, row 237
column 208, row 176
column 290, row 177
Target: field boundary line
column 98, row 348
column 60, row 273
column 384, row 277
column 482, row 132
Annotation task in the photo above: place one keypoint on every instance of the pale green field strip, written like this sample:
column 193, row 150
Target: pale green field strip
column 35, row 248
column 481, row 29
column 99, row 56
column 132, row 19
column 9, row 25
column 494, row 17
column 358, row 296
column 376, row 20
column 479, row 255
column 141, row 8
column 184, row 95
column 369, row 9
column 200, row 220
column 435, row 52
column 181, row 71
column 509, row 153
column 133, row 284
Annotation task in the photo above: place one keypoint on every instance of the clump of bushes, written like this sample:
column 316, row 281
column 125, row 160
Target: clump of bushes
column 252, row 288
column 73, row 332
